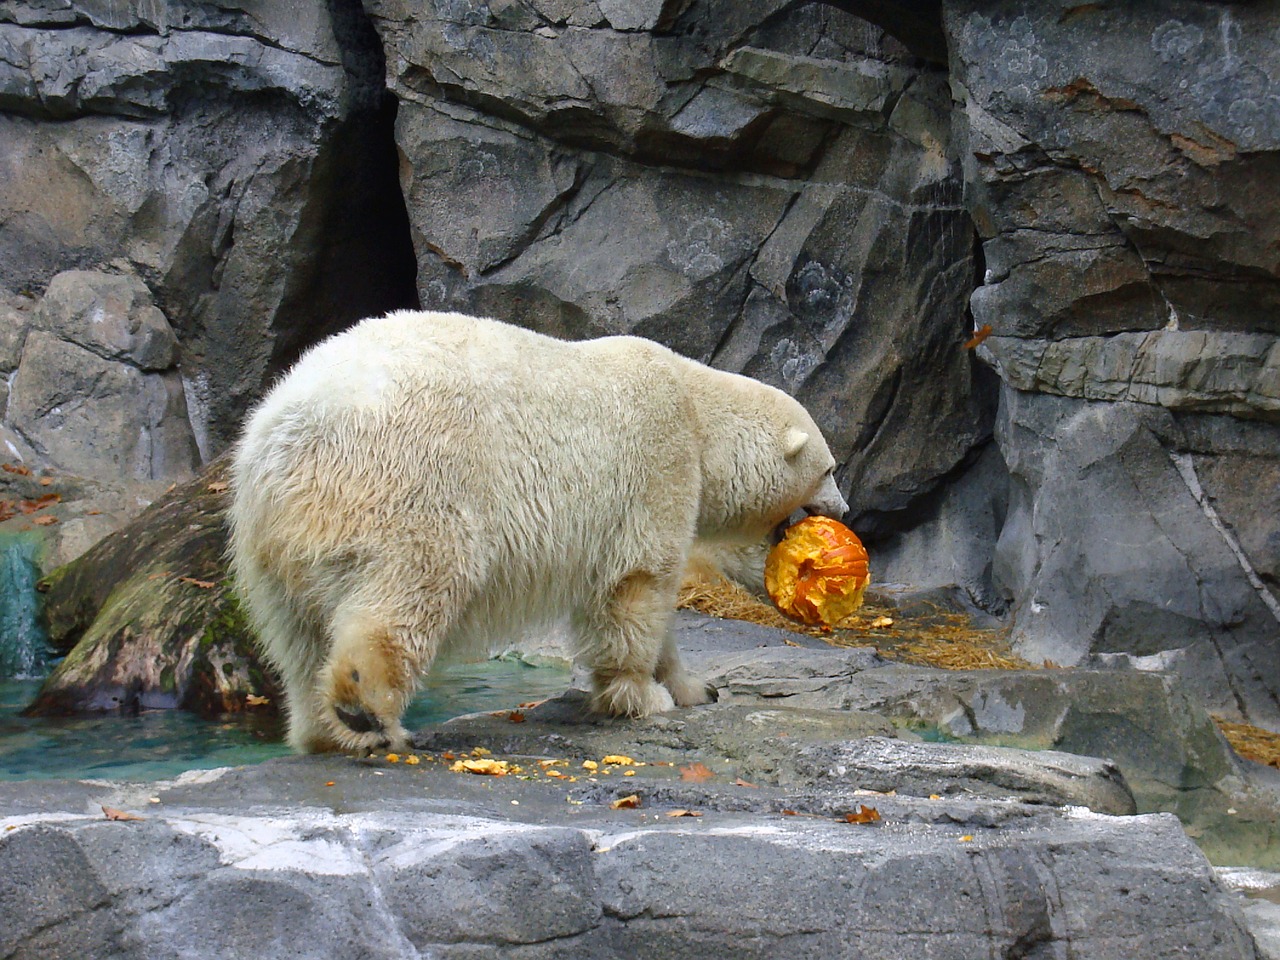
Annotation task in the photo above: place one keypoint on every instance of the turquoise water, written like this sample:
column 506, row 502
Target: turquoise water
column 159, row 744
column 23, row 644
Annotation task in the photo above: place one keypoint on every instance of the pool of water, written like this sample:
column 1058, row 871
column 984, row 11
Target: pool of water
column 159, row 744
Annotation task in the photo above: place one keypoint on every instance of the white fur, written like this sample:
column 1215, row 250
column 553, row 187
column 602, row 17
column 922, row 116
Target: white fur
column 428, row 481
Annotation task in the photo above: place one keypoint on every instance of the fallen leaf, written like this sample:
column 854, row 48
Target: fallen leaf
column 880, row 623
column 863, row 815
column 630, row 802
column 684, row 813
column 789, row 813
column 16, row 468
column 979, row 335
column 515, row 716
column 742, row 783
column 47, row 500
column 531, row 704
column 253, row 700
column 329, row 783
column 448, row 755
column 202, row 584
column 217, row 486
column 114, row 814
column 46, row 481
column 696, row 773
column 44, row 521
column 618, row 760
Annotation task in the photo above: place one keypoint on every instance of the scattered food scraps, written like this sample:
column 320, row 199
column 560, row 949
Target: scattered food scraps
column 743, row 783
column 590, row 765
column 393, row 758
column 114, row 814
column 618, row 760
column 412, row 760
column 329, row 783
column 879, row 623
column 818, row 572
column 630, row 802
column 484, row 767
column 684, row 813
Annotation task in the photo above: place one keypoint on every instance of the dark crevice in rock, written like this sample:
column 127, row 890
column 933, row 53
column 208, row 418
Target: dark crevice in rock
column 917, row 25
column 357, row 219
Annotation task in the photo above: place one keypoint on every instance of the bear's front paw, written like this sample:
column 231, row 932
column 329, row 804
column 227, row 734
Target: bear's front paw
column 631, row 696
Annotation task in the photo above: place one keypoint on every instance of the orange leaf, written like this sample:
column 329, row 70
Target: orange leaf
column 202, row 584
column 863, row 815
column 217, row 486
column 44, row 521
column 742, row 783
column 629, row 802
column 979, row 335
column 684, row 813
column 696, row 773
column 253, row 700
column 114, row 814
column 31, row 506
column 46, row 481
column 329, row 783
column 515, row 716
column 16, row 468
column 789, row 813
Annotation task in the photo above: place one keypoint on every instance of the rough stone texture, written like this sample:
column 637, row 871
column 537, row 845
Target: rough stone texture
column 768, row 187
column 226, row 152
column 96, row 391
column 1113, row 547
column 345, row 858
column 1118, row 163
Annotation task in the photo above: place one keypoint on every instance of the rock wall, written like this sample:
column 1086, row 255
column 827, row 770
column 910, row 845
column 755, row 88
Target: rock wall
column 830, row 197
column 1120, row 164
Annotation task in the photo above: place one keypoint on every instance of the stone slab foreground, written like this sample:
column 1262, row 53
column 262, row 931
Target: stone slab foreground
column 399, row 861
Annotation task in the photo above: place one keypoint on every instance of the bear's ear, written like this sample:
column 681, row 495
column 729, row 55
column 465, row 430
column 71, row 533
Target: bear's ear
column 794, row 442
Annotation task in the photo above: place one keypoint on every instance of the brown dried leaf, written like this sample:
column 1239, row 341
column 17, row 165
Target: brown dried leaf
column 696, row 773
column 202, row 584
column 253, row 700
column 47, row 500
column 515, row 716
column 684, row 813
column 46, row 481
column 45, row 520
column 217, row 486
column 863, row 815
column 979, row 335
column 742, row 783
column 629, row 802
column 17, row 468
column 114, row 814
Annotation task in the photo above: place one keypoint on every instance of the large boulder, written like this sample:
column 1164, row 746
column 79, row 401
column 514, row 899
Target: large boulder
column 227, row 153
column 1118, row 166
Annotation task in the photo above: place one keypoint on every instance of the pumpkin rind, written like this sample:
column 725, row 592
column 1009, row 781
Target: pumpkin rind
column 818, row 573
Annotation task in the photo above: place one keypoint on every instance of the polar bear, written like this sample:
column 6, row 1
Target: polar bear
column 431, row 481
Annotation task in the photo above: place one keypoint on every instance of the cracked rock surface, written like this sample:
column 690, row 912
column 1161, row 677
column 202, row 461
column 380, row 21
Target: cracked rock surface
column 758, row 826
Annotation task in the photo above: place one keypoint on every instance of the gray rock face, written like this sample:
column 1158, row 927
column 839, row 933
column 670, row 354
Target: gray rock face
column 203, row 144
column 772, row 189
column 1116, row 163
column 96, row 391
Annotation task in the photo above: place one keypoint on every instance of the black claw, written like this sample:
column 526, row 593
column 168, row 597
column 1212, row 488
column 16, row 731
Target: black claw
column 359, row 720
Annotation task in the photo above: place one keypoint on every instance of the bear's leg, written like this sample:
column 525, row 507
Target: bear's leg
column 623, row 643
column 686, row 689
column 368, row 681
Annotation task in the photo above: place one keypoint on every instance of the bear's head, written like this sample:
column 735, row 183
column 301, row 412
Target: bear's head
column 766, row 459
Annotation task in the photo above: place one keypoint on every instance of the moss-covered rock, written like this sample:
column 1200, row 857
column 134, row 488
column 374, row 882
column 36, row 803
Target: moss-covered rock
column 148, row 619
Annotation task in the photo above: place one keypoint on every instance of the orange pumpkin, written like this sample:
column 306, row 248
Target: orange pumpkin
column 818, row 573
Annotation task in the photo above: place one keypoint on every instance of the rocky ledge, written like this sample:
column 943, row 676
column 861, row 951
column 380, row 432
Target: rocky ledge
column 784, row 820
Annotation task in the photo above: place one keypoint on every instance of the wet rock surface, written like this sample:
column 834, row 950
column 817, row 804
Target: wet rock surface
column 783, row 820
